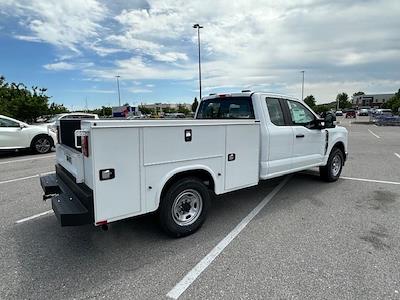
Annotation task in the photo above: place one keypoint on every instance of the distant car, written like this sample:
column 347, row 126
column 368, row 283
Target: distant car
column 339, row 113
column 383, row 111
column 15, row 134
column 363, row 112
column 351, row 114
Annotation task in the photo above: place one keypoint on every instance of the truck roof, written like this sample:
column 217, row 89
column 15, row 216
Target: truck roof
column 248, row 94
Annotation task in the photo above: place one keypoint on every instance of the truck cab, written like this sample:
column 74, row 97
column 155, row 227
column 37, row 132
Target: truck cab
column 293, row 137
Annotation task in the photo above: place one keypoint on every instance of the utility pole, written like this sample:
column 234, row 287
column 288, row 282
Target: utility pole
column 302, row 87
column 119, row 94
column 198, row 27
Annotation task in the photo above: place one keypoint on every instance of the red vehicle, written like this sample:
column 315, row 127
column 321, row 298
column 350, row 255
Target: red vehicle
column 351, row 114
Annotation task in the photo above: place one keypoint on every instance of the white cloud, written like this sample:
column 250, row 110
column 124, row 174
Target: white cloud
column 245, row 44
column 65, row 66
column 64, row 23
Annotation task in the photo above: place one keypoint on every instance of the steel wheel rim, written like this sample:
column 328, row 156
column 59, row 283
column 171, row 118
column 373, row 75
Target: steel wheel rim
column 42, row 145
column 336, row 165
column 187, row 207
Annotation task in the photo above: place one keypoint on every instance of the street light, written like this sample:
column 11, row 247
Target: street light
column 302, row 87
column 119, row 95
column 197, row 26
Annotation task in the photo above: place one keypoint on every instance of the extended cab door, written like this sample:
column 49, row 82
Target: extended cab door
column 309, row 142
column 279, row 139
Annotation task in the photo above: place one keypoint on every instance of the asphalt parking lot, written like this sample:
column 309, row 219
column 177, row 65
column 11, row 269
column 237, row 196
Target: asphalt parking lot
column 311, row 240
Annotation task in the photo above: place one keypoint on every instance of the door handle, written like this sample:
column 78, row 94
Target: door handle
column 299, row 135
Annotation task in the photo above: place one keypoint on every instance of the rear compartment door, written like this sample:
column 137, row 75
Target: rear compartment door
column 242, row 156
column 116, row 149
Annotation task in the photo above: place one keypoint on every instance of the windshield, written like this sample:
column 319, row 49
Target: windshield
column 226, row 108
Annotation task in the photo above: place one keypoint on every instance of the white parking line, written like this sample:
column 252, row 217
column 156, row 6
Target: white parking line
column 209, row 258
column 25, row 159
column 371, row 180
column 398, row 155
column 24, row 178
column 374, row 134
column 34, row 216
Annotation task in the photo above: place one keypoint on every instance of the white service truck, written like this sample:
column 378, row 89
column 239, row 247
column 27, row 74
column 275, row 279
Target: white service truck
column 109, row 170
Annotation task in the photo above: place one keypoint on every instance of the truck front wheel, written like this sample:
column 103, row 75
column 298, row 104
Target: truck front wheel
column 331, row 172
column 183, row 207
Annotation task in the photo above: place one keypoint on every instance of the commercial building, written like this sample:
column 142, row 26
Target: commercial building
column 370, row 100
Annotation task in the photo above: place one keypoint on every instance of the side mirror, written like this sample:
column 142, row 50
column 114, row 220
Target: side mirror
column 329, row 121
column 22, row 126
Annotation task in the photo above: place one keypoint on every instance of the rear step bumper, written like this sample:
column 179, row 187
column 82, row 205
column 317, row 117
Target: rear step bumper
column 72, row 203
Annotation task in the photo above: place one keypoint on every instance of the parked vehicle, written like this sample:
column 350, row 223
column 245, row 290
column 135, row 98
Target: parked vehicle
column 339, row 113
column 76, row 115
column 363, row 112
column 51, row 123
column 109, row 170
column 15, row 134
column 351, row 114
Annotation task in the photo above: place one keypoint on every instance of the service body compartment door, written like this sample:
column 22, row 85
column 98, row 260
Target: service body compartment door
column 116, row 149
column 242, row 156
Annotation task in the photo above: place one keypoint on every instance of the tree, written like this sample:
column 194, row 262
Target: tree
column 393, row 103
column 183, row 109
column 343, row 99
column 56, row 109
column 358, row 94
column 145, row 110
column 310, row 101
column 103, row 111
column 195, row 104
column 21, row 103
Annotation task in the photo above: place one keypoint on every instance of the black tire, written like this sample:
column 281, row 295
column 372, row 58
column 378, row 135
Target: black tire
column 170, row 211
column 42, row 144
column 330, row 172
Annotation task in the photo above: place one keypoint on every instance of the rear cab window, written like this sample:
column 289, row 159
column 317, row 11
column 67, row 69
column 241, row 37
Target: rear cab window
column 275, row 111
column 226, row 108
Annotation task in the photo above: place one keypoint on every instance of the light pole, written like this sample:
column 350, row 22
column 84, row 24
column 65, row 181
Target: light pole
column 119, row 94
column 302, row 87
column 198, row 39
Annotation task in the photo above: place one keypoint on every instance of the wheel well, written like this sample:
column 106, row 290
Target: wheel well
column 42, row 135
column 340, row 146
column 203, row 175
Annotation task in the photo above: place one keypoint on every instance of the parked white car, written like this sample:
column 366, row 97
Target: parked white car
column 77, row 115
column 15, row 134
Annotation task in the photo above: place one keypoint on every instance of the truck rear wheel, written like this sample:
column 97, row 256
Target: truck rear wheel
column 331, row 172
column 183, row 207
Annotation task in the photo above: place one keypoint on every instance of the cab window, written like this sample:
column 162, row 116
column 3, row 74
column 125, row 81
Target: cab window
column 299, row 114
column 275, row 111
column 226, row 108
column 8, row 123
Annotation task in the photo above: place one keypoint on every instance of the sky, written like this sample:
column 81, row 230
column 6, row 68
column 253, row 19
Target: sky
column 75, row 48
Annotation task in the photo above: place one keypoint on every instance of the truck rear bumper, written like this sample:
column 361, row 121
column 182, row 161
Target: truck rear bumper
column 72, row 203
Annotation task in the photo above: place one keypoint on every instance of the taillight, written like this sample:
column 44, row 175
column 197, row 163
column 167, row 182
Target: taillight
column 85, row 145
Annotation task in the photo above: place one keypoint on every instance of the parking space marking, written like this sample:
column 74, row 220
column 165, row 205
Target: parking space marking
column 374, row 134
column 34, row 216
column 190, row 277
column 398, row 155
column 371, row 180
column 25, row 159
column 24, row 178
